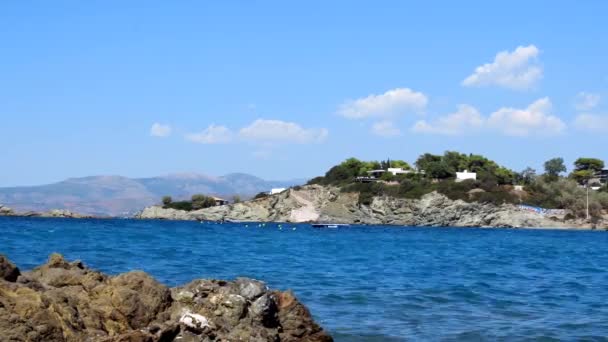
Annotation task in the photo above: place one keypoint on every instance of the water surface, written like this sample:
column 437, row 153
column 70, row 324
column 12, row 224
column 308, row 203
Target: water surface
column 369, row 283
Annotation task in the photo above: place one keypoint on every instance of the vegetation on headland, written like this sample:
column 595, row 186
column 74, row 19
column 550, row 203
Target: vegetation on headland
column 494, row 184
column 197, row 201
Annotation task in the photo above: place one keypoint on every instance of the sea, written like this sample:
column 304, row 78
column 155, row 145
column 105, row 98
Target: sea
column 362, row 283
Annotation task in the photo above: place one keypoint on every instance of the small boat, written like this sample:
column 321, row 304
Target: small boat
column 330, row 225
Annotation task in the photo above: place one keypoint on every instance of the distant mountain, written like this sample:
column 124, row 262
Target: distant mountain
column 116, row 195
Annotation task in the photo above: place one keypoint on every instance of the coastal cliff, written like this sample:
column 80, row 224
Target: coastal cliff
column 66, row 301
column 316, row 203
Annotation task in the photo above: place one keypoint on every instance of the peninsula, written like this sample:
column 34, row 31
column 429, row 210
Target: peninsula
column 452, row 189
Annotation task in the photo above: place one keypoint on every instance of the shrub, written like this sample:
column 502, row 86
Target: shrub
column 181, row 205
column 261, row 195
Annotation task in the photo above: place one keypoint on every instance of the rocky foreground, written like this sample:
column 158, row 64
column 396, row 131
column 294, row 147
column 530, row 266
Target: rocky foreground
column 316, row 203
column 66, row 301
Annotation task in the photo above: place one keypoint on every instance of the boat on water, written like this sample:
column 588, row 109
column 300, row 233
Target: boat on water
column 330, row 225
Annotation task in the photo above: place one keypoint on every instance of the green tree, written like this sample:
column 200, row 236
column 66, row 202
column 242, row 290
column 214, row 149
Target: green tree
column 553, row 167
column 400, row 164
column 592, row 164
column 438, row 170
column 167, row 200
column 527, row 176
column 236, row 199
column 455, row 161
column 424, row 161
column 585, row 169
column 504, row 176
column 200, row 201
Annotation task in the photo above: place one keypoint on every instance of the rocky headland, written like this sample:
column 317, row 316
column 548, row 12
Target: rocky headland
column 58, row 213
column 316, row 203
column 66, row 301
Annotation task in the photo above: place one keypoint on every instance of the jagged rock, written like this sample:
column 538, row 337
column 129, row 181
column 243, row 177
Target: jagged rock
column 328, row 204
column 63, row 214
column 59, row 213
column 8, row 271
column 66, row 301
column 6, row 211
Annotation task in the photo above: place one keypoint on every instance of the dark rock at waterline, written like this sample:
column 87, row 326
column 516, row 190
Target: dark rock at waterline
column 66, row 301
column 8, row 271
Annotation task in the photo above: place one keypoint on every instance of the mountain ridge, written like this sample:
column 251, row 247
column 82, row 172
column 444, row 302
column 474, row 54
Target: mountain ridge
column 115, row 195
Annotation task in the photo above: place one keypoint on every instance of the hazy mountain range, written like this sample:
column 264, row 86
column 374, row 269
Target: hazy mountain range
column 116, row 195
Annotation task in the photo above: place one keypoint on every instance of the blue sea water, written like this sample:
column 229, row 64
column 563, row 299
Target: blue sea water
column 369, row 283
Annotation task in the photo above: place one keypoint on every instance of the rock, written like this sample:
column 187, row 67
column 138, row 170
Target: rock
column 194, row 322
column 62, row 213
column 329, row 204
column 250, row 288
column 8, row 271
column 6, row 211
column 66, row 301
column 157, row 212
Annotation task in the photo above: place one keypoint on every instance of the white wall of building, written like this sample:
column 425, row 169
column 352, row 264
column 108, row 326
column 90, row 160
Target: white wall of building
column 460, row 176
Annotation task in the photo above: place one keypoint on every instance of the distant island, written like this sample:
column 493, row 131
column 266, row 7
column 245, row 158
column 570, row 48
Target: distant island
column 453, row 189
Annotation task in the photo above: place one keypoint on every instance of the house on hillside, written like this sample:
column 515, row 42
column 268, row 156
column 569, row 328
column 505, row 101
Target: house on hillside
column 602, row 176
column 220, row 201
column 460, row 176
column 276, row 191
column 392, row 170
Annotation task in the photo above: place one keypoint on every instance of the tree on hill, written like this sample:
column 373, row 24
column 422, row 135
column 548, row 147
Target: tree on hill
column 401, row 164
column 424, row 161
column 553, row 168
column 585, row 168
column 526, row 177
column 167, row 200
column 200, row 201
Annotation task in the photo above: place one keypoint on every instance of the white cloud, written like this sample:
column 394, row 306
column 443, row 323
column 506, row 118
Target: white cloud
column 392, row 103
column 159, row 130
column 586, row 101
column 592, row 122
column 467, row 118
column 385, row 128
column 268, row 131
column 516, row 70
column 534, row 120
column 212, row 135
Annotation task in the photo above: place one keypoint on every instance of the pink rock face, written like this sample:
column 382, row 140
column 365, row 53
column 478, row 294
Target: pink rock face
column 65, row 301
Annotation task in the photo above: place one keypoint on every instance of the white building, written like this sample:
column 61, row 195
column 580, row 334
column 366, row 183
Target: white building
column 392, row 170
column 398, row 171
column 276, row 191
column 460, row 176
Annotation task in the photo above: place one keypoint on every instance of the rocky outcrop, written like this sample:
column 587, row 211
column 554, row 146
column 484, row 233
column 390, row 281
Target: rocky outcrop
column 59, row 213
column 316, row 203
column 6, row 211
column 65, row 301
column 62, row 213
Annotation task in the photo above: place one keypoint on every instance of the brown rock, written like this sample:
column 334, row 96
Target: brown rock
column 8, row 271
column 63, row 301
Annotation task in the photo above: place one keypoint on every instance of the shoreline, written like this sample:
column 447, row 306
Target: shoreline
column 357, row 225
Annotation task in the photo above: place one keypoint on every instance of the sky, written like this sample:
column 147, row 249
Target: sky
column 286, row 89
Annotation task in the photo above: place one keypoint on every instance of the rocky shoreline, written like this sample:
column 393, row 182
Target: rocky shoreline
column 58, row 213
column 315, row 203
column 66, row 301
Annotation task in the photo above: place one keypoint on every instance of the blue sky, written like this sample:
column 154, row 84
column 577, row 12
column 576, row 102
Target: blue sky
column 286, row 89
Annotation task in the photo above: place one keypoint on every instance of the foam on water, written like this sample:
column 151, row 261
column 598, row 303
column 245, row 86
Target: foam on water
column 362, row 283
